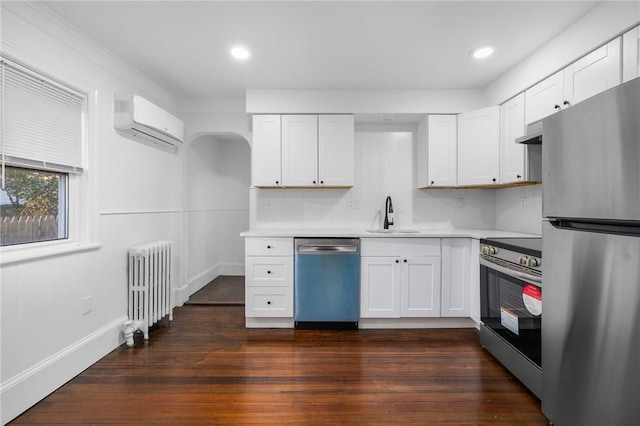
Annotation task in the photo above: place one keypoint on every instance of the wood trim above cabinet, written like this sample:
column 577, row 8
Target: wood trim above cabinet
column 491, row 186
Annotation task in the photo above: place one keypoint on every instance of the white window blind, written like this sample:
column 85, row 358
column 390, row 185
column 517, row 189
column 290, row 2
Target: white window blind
column 42, row 122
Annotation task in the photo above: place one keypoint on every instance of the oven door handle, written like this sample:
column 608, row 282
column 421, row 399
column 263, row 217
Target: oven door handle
column 516, row 274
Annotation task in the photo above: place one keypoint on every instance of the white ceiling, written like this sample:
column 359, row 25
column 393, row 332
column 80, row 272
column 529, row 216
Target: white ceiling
column 184, row 45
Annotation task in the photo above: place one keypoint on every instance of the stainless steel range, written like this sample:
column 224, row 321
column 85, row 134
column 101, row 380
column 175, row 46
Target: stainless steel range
column 511, row 306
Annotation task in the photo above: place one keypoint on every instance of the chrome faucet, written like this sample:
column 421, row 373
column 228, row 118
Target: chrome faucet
column 388, row 209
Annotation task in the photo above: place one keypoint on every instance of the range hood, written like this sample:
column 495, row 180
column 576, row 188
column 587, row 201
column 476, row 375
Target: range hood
column 533, row 135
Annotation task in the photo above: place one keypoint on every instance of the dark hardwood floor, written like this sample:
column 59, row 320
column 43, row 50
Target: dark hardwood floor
column 206, row 368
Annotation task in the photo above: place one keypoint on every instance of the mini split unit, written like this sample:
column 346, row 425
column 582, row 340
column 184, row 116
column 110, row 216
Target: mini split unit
column 140, row 118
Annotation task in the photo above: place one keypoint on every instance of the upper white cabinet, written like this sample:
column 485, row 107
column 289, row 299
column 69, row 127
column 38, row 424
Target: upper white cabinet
column 512, row 154
column 479, row 147
column 336, row 150
column 545, row 98
column 303, row 151
column 299, row 150
column 631, row 54
column 437, row 151
column 588, row 76
column 265, row 151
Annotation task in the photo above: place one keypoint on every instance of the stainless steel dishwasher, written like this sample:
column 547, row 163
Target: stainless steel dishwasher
column 327, row 283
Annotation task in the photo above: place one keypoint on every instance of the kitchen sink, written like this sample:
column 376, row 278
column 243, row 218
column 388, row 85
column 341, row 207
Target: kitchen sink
column 392, row 231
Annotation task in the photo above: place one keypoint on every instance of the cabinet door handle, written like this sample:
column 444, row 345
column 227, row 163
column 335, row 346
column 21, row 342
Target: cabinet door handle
column 518, row 177
column 556, row 106
column 268, row 272
column 314, row 182
column 269, row 247
column 432, row 182
column 397, row 261
column 566, row 103
column 321, row 182
column 405, row 261
column 277, row 182
column 494, row 179
column 268, row 302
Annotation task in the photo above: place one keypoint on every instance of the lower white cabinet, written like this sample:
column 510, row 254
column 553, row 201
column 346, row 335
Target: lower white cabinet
column 269, row 277
column 400, row 277
column 417, row 278
column 457, row 273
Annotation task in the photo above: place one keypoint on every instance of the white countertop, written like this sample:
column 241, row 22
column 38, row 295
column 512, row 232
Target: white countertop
column 363, row 233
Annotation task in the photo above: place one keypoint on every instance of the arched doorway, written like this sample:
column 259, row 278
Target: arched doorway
column 216, row 207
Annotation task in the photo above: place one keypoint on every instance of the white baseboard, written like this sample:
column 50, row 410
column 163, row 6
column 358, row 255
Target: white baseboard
column 234, row 269
column 374, row 323
column 27, row 388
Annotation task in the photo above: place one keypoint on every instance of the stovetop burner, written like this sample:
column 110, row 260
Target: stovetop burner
column 530, row 246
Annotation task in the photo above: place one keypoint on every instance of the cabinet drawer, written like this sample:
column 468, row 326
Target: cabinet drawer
column 268, row 246
column 409, row 246
column 269, row 270
column 269, row 302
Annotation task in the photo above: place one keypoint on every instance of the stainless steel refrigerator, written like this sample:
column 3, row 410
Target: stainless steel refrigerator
column 591, row 269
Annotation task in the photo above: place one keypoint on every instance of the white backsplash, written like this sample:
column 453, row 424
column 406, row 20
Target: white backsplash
column 385, row 166
column 520, row 209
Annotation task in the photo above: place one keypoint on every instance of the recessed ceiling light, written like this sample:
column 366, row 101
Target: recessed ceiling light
column 387, row 118
column 483, row 52
column 241, row 53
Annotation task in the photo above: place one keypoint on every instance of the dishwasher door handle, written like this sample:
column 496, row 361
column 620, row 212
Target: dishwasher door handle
column 327, row 249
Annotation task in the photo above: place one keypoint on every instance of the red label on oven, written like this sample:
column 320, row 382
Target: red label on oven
column 532, row 298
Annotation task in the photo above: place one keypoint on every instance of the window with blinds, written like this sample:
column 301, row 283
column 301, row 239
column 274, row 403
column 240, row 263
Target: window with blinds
column 42, row 134
column 42, row 121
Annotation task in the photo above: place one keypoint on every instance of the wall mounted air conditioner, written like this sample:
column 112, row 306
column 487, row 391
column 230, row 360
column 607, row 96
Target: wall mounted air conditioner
column 137, row 116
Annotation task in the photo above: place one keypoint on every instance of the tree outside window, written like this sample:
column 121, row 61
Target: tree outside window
column 32, row 206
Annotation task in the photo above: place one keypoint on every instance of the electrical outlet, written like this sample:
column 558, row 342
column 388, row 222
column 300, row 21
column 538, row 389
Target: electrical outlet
column 460, row 203
column 268, row 202
column 87, row 305
column 352, row 204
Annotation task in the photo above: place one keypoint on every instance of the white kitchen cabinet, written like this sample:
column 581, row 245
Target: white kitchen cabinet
column 437, row 151
column 545, row 98
column 400, row 278
column 266, row 151
column 479, row 147
column 512, row 154
column 380, row 287
column 456, row 277
column 299, row 150
column 303, row 151
column 268, row 277
column 420, row 286
column 336, row 150
column 631, row 54
column 592, row 74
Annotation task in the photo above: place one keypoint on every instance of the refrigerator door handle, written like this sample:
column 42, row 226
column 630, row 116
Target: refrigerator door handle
column 603, row 226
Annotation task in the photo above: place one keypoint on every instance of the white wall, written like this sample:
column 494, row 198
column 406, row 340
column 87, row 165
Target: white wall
column 601, row 24
column 294, row 101
column 519, row 209
column 384, row 166
column 217, row 208
column 130, row 198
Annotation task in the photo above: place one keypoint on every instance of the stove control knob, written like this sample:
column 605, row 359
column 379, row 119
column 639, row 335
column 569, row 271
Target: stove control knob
column 522, row 260
column 485, row 250
column 493, row 251
column 533, row 262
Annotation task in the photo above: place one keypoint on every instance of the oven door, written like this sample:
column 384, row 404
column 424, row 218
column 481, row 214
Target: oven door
column 511, row 306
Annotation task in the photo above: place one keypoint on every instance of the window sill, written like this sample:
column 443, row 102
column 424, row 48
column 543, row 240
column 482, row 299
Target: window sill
column 13, row 255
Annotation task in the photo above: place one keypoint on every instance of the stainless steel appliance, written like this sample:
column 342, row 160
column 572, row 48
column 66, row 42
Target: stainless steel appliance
column 511, row 305
column 591, row 241
column 327, row 283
